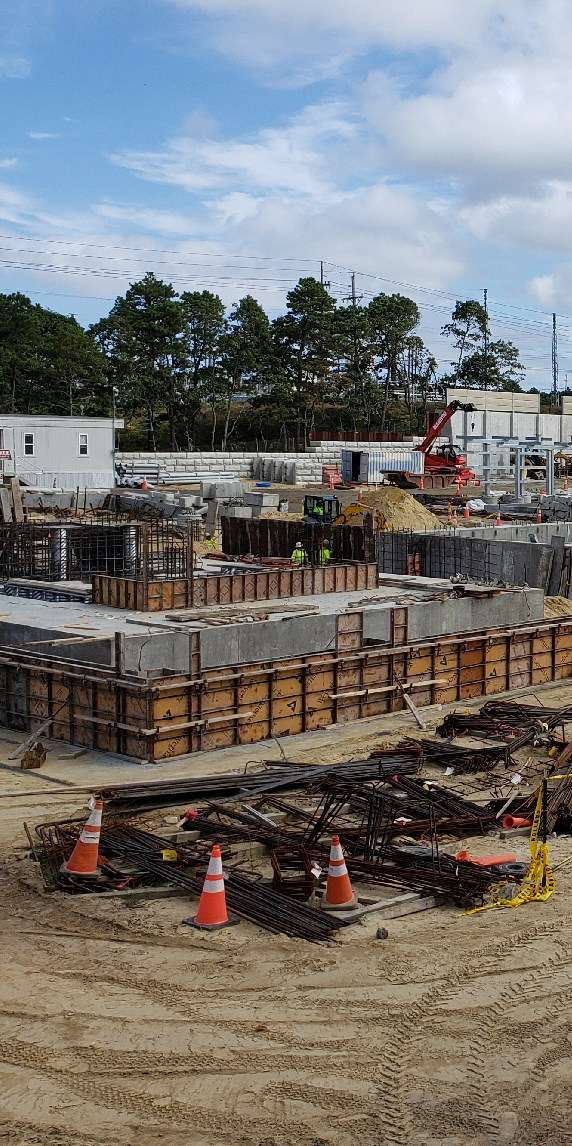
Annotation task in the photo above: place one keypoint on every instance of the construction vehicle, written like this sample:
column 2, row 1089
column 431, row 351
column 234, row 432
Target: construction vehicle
column 326, row 510
column 436, row 468
column 321, row 509
column 445, row 465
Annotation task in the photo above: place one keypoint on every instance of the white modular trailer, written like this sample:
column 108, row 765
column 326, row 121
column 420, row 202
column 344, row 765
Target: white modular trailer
column 370, row 466
column 46, row 450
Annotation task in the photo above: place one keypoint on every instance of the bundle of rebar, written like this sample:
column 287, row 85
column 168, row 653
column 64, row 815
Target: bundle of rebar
column 245, row 896
column 506, row 720
column 463, row 761
column 232, row 786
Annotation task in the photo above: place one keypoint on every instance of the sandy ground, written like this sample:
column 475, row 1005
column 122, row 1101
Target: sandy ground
column 120, row 1026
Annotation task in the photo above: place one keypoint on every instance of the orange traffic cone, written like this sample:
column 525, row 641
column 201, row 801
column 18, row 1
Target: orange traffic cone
column 339, row 894
column 331, row 481
column 498, row 520
column 466, row 510
column 458, row 489
column 539, row 516
column 144, row 483
column 421, row 484
column 360, row 494
column 83, row 860
column 565, row 486
column 449, row 514
column 455, row 516
column 212, row 911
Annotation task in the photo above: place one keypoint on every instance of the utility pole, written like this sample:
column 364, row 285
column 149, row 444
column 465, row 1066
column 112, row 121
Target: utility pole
column 485, row 293
column 554, row 362
column 324, row 281
column 354, row 300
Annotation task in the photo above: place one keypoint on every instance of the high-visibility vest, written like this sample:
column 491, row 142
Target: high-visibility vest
column 324, row 555
column 299, row 555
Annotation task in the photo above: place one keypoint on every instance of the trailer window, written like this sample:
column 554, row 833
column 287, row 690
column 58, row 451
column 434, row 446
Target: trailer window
column 83, row 445
column 29, row 445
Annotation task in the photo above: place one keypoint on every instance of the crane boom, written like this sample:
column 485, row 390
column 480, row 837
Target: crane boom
column 442, row 420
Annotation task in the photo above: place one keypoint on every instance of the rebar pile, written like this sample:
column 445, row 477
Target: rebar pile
column 169, row 793
column 464, row 761
column 505, row 720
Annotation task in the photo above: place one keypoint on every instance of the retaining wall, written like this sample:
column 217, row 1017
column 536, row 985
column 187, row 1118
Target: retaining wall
column 212, row 708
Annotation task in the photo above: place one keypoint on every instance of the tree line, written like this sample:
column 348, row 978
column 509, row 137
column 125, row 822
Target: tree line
column 186, row 373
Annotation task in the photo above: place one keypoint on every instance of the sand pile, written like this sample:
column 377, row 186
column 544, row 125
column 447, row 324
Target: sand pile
column 557, row 607
column 400, row 509
column 281, row 516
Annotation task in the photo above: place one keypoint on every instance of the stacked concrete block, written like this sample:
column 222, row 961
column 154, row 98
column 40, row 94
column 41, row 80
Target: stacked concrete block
column 221, row 490
column 556, row 508
column 260, row 499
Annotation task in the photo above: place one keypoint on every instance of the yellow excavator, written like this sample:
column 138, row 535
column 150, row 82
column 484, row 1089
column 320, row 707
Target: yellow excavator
column 327, row 510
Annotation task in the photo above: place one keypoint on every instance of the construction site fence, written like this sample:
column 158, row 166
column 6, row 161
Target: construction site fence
column 231, row 588
column 166, row 716
column 272, row 537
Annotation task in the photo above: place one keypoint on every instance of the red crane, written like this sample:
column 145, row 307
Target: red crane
column 446, row 462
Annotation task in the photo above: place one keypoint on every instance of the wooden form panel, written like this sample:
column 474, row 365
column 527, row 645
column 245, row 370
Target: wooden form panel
column 169, row 717
column 270, row 585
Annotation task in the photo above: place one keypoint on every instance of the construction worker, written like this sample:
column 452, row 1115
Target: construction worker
column 299, row 555
column 324, row 553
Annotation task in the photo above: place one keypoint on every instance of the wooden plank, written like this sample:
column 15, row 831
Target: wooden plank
column 5, row 505
column 17, row 500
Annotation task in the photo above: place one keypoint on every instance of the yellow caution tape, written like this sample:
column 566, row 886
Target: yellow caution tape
column 538, row 882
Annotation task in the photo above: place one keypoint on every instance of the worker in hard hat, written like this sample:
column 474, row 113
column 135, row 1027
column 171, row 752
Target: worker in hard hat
column 299, row 555
column 324, row 553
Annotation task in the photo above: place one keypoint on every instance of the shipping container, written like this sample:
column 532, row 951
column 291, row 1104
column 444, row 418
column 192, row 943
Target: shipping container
column 370, row 466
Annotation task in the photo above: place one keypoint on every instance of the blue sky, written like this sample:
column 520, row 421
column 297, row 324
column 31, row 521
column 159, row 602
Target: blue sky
column 233, row 144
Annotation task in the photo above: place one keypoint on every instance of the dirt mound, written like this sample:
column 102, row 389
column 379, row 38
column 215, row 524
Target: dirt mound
column 280, row 516
column 400, row 509
column 557, row 607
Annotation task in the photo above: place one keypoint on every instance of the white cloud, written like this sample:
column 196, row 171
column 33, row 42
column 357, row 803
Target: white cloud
column 293, row 160
column 270, row 33
column 43, row 134
column 538, row 222
column 8, row 163
column 14, row 67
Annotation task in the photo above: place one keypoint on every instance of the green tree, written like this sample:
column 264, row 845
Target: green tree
column 20, row 342
column 247, row 357
column 303, row 343
column 204, row 324
column 499, row 369
column 143, row 338
column 393, row 319
column 359, row 389
column 71, row 376
column 467, row 330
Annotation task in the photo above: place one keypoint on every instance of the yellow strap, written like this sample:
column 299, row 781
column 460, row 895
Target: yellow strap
column 538, row 882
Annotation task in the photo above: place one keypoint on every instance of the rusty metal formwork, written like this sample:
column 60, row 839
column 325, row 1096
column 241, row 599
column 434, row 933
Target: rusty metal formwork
column 275, row 537
column 230, row 589
column 167, row 716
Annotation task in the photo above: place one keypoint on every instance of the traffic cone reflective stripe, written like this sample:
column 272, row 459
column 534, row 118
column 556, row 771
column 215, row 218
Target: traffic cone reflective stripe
column 83, row 860
column 338, row 888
